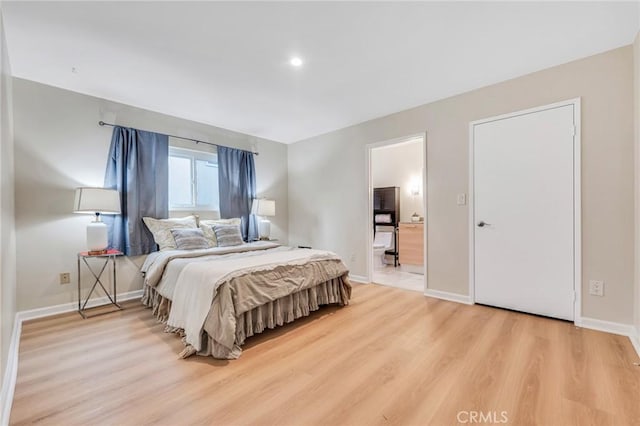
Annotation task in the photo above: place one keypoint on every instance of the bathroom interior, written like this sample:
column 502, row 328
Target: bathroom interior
column 398, row 215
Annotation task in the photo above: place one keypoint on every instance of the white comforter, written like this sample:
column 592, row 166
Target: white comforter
column 162, row 269
column 157, row 265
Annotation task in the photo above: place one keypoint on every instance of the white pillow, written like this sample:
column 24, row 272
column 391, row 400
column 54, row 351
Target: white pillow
column 161, row 229
column 207, row 227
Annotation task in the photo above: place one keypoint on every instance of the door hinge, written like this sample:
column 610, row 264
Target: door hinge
column 575, row 296
column 573, row 130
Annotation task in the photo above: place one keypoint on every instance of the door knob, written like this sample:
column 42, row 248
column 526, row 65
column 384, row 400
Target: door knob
column 482, row 224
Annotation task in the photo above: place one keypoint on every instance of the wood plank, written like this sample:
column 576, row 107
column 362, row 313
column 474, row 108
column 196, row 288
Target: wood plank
column 411, row 243
column 391, row 357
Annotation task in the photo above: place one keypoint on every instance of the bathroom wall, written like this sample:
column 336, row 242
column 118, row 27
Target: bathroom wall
column 400, row 165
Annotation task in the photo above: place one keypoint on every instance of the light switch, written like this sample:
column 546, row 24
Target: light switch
column 462, row 199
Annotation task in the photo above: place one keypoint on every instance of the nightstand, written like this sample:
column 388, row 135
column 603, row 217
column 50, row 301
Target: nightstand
column 100, row 261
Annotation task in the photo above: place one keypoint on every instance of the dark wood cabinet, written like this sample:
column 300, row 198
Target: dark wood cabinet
column 386, row 201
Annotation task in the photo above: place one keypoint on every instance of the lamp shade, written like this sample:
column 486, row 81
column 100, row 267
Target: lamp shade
column 263, row 207
column 96, row 200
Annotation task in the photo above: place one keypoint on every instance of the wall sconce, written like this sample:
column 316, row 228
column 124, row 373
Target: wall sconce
column 415, row 187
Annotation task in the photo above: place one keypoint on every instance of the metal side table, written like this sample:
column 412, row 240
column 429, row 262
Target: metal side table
column 109, row 256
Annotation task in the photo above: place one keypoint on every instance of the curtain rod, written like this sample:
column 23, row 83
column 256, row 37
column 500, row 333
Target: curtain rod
column 102, row 123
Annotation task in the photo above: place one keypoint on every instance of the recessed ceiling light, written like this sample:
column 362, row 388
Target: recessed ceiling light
column 296, row 62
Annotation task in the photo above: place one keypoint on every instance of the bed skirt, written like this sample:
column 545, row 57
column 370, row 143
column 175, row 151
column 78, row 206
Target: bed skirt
column 268, row 316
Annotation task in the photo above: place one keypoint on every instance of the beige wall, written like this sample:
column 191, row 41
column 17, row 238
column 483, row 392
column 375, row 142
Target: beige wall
column 400, row 165
column 328, row 191
column 60, row 146
column 7, row 223
column 636, row 105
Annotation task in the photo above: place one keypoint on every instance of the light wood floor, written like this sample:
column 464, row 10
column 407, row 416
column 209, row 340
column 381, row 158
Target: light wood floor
column 391, row 357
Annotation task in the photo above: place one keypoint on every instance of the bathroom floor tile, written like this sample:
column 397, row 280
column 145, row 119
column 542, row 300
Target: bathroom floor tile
column 394, row 277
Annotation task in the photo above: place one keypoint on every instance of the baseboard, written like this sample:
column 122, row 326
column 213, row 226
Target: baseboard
column 10, row 373
column 11, row 369
column 358, row 279
column 73, row 306
column 635, row 340
column 412, row 269
column 612, row 327
column 606, row 326
column 445, row 295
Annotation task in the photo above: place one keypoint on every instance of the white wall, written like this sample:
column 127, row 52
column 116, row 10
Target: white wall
column 327, row 178
column 400, row 165
column 7, row 223
column 60, row 146
column 636, row 116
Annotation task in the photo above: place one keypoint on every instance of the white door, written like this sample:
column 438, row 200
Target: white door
column 524, row 212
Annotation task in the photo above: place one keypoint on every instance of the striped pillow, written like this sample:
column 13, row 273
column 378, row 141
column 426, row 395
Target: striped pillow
column 189, row 239
column 207, row 227
column 228, row 235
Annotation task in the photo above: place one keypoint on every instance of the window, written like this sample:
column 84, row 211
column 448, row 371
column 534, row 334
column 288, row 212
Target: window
column 193, row 180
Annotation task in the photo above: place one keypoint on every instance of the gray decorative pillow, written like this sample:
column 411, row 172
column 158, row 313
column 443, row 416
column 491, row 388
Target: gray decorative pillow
column 189, row 239
column 228, row 235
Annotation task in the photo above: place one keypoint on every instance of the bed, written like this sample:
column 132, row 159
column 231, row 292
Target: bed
column 218, row 297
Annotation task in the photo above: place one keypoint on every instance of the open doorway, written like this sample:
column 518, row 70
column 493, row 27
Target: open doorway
column 397, row 213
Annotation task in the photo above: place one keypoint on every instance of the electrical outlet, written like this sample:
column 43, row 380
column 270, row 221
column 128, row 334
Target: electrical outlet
column 596, row 288
column 65, row 278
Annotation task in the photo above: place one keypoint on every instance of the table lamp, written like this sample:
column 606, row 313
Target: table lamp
column 263, row 207
column 97, row 201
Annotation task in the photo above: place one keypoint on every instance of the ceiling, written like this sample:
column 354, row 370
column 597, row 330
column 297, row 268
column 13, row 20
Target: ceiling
column 227, row 64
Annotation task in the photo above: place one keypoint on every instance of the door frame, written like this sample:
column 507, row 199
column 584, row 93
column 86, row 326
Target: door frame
column 577, row 204
column 369, row 221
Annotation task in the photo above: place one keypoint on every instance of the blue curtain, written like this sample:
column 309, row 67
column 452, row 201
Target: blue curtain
column 237, row 183
column 138, row 167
